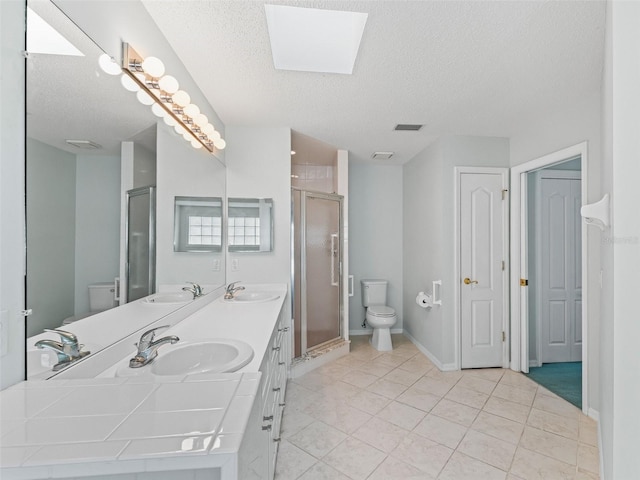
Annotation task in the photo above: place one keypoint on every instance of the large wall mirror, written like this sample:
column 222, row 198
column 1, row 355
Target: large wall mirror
column 89, row 142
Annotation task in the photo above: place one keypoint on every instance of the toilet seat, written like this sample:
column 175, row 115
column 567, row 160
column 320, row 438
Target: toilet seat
column 381, row 311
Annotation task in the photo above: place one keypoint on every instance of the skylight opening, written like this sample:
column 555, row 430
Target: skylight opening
column 314, row 40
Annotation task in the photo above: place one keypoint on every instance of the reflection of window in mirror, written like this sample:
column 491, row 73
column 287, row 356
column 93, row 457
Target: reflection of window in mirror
column 198, row 224
column 250, row 224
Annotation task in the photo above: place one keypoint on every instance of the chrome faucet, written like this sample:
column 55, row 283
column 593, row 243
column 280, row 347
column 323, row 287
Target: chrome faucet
column 148, row 349
column 195, row 289
column 67, row 349
column 231, row 290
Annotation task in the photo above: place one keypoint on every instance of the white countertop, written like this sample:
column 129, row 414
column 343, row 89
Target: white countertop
column 75, row 427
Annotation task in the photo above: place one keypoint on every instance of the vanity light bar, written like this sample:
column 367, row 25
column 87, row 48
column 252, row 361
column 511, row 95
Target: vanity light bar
column 161, row 92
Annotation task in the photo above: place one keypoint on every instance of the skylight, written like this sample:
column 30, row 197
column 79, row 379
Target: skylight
column 43, row 38
column 313, row 40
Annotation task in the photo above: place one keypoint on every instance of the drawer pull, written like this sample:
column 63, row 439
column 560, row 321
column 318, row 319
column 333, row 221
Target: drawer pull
column 275, row 348
column 277, row 389
column 281, row 404
column 277, row 439
column 284, row 329
column 266, row 428
column 281, row 363
column 266, row 419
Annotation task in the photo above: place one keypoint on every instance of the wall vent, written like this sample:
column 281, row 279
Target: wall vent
column 407, row 127
column 84, row 144
column 382, row 155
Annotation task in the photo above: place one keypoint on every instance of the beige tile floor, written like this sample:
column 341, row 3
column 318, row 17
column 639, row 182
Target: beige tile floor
column 385, row 416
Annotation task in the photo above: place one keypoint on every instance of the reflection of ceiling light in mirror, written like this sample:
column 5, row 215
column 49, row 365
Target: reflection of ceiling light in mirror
column 191, row 110
column 169, row 84
column 129, row 84
column 144, row 97
column 314, row 40
column 158, row 111
column 109, row 65
column 43, row 38
column 153, row 66
column 146, row 75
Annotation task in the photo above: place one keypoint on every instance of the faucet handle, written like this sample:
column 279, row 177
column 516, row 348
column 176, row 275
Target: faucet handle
column 67, row 338
column 232, row 285
column 148, row 336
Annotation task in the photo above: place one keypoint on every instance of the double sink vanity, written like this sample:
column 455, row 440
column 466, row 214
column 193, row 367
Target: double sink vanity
column 209, row 405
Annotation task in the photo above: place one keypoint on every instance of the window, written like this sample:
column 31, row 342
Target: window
column 198, row 224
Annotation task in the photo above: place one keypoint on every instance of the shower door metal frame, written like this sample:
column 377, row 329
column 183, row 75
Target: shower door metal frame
column 136, row 192
column 304, row 194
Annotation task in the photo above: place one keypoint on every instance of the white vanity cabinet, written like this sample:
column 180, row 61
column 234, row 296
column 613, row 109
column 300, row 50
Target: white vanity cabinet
column 259, row 449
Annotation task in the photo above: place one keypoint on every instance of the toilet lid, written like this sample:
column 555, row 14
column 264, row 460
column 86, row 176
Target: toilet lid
column 381, row 311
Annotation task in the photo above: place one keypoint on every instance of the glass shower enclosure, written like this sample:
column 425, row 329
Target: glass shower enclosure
column 316, row 270
column 141, row 243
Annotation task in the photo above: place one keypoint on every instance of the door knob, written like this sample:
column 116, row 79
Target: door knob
column 468, row 281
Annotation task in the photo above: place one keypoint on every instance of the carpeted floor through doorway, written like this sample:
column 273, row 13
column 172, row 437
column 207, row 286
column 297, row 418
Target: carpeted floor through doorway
column 563, row 379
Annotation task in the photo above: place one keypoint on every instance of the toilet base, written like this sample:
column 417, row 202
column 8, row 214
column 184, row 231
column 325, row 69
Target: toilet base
column 381, row 339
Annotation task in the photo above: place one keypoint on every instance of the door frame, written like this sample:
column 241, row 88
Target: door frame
column 458, row 172
column 519, row 311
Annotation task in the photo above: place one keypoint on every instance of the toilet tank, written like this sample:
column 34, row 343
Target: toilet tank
column 102, row 296
column 374, row 292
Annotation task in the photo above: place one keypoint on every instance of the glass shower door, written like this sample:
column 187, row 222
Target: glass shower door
column 141, row 252
column 317, row 268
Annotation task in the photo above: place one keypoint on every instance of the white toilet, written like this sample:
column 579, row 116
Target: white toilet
column 101, row 297
column 379, row 317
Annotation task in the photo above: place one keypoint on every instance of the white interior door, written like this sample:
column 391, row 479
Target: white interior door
column 482, row 267
column 560, row 281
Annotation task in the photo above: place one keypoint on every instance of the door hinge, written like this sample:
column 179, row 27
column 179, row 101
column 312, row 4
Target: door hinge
column 524, row 282
column 503, row 265
column 504, row 193
column 504, row 337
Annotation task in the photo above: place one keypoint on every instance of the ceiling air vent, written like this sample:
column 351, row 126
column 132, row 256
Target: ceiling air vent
column 407, row 127
column 84, row 144
column 382, row 155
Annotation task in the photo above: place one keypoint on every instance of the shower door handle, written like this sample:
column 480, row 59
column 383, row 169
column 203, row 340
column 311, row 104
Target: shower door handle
column 334, row 257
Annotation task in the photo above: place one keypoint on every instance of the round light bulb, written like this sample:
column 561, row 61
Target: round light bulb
column 108, row 65
column 200, row 120
column 191, row 110
column 158, row 111
column 187, row 136
column 196, row 144
column 153, row 66
column 215, row 136
column 180, row 130
column 128, row 83
column 169, row 84
column 220, row 144
column 169, row 120
column 181, row 98
column 144, row 98
column 208, row 129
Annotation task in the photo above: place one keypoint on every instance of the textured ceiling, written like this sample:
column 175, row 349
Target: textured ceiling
column 459, row 67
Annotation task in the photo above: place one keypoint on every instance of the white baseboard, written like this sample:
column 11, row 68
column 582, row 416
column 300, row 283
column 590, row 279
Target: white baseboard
column 595, row 414
column 369, row 331
column 534, row 364
column 444, row 367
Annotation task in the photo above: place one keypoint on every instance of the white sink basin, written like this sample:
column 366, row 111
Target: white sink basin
column 252, row 297
column 202, row 356
column 168, row 298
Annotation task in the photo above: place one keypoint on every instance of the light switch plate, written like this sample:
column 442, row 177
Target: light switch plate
column 235, row 265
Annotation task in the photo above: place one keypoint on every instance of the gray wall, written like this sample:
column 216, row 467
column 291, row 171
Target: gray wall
column 51, row 240
column 97, row 232
column 375, row 236
column 429, row 245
